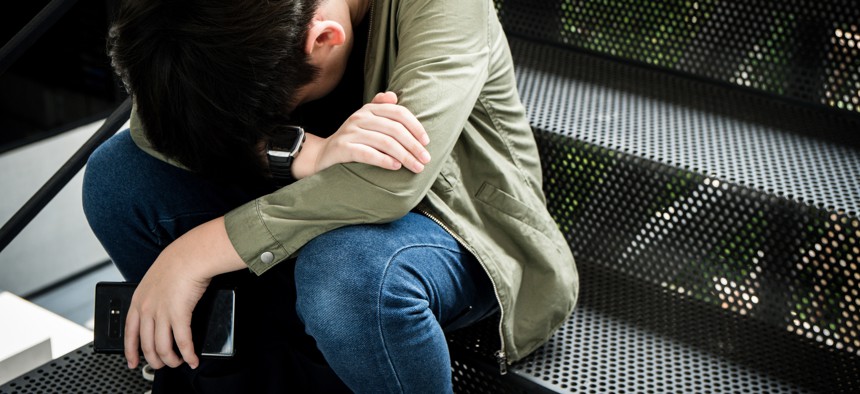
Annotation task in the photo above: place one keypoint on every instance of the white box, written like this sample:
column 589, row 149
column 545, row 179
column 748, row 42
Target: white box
column 31, row 336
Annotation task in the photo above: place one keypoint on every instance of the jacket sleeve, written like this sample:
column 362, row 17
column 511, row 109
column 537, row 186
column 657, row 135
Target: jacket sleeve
column 440, row 68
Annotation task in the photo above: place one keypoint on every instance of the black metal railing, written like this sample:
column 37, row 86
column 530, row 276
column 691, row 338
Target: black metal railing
column 10, row 52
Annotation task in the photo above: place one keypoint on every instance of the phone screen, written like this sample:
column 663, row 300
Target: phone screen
column 216, row 325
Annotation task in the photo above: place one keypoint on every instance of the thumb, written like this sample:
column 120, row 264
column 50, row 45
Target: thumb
column 385, row 98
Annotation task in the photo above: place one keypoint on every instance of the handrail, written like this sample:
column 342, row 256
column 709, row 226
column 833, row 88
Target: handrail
column 9, row 53
column 59, row 180
column 32, row 31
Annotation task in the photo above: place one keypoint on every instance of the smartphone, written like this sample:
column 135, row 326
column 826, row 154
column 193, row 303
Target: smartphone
column 213, row 323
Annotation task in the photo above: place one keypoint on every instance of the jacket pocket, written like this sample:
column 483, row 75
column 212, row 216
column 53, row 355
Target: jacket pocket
column 509, row 205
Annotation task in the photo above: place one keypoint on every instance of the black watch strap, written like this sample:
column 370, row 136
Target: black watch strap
column 282, row 170
column 281, row 153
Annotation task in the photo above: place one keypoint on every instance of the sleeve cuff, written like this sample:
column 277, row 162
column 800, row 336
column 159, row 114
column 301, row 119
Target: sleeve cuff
column 252, row 239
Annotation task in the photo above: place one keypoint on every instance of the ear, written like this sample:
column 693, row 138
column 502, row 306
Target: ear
column 322, row 34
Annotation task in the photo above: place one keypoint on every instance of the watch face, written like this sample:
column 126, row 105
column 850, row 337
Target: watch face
column 288, row 141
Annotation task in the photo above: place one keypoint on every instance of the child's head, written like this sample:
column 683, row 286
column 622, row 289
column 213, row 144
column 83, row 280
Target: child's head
column 212, row 78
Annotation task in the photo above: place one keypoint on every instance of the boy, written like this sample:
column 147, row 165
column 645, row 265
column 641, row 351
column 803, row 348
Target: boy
column 387, row 260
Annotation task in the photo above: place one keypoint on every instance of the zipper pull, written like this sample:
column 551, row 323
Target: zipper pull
column 502, row 359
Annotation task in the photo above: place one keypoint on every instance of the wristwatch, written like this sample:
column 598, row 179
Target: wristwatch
column 280, row 152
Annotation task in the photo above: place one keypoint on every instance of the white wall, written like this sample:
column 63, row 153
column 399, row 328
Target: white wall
column 58, row 242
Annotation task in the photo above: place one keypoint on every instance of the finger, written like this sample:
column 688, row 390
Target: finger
column 388, row 146
column 182, row 333
column 362, row 153
column 164, row 344
column 400, row 134
column 401, row 114
column 147, row 343
column 385, row 98
column 131, row 338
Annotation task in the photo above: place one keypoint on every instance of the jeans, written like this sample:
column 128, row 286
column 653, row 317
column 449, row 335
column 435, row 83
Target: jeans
column 376, row 300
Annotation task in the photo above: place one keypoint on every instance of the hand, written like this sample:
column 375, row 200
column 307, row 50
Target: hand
column 161, row 307
column 381, row 134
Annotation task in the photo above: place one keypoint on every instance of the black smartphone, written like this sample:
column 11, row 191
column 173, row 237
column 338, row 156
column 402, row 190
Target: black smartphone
column 213, row 323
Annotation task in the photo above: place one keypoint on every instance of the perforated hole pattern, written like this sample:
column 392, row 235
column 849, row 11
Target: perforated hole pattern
column 631, row 194
column 690, row 284
column 80, row 371
column 716, row 233
column 803, row 49
column 739, row 137
column 693, row 282
column 624, row 339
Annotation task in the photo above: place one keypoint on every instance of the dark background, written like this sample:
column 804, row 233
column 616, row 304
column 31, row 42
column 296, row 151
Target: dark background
column 64, row 80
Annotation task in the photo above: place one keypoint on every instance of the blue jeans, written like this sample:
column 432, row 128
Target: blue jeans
column 376, row 299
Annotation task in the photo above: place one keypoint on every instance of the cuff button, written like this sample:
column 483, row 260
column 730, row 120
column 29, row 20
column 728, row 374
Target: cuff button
column 267, row 257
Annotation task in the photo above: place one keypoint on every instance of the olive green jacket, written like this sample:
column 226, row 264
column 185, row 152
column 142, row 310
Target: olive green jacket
column 450, row 65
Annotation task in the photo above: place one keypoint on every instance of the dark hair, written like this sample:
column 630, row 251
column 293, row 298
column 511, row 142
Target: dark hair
column 212, row 78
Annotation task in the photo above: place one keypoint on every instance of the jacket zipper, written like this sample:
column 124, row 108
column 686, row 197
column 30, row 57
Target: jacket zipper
column 500, row 355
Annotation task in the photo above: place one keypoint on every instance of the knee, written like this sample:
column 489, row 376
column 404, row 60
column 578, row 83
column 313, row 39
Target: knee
column 336, row 278
column 101, row 179
column 338, row 257
column 343, row 277
column 111, row 202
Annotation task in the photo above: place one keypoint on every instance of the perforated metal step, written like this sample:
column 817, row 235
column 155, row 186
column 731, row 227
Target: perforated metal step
column 80, row 371
column 701, row 195
column 715, row 230
column 808, row 50
column 630, row 337
column 766, row 145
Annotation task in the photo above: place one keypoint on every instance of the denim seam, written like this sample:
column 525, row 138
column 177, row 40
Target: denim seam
column 379, row 300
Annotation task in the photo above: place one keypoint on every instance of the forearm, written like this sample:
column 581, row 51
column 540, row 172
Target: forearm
column 209, row 248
